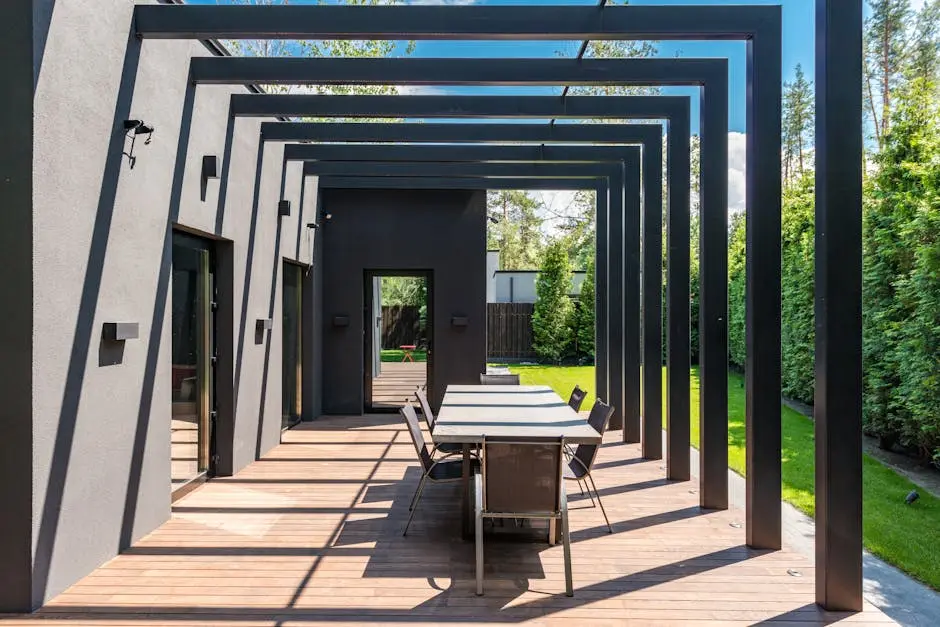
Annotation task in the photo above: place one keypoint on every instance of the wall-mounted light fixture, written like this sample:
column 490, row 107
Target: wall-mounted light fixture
column 283, row 208
column 210, row 170
column 264, row 324
column 459, row 321
column 133, row 128
column 120, row 331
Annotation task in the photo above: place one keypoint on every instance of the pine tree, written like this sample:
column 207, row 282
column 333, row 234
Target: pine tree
column 925, row 48
column 552, row 315
column 886, row 46
column 515, row 229
column 798, row 108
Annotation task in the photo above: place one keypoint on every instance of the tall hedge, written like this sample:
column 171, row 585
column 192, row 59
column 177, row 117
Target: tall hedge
column 901, row 281
column 797, row 319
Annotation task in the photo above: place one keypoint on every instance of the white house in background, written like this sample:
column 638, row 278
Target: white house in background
column 517, row 286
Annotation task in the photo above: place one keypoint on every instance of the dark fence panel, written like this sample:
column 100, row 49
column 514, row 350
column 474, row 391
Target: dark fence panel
column 509, row 331
column 401, row 324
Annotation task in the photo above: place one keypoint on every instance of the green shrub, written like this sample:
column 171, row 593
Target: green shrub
column 552, row 316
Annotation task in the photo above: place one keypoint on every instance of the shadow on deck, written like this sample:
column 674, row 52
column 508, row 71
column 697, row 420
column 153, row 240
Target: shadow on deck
column 312, row 534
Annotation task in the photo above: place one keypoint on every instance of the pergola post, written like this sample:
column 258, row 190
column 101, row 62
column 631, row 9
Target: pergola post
column 838, row 402
column 631, row 304
column 615, row 301
column 762, row 328
column 678, row 463
column 601, row 374
column 653, row 300
column 713, row 303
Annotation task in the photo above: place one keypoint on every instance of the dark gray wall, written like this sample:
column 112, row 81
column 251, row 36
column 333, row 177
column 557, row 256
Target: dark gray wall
column 443, row 231
column 16, row 237
column 94, row 247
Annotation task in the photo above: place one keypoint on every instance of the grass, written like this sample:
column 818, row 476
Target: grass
column 396, row 354
column 907, row 536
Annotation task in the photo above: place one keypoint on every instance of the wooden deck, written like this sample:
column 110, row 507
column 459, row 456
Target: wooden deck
column 397, row 384
column 311, row 534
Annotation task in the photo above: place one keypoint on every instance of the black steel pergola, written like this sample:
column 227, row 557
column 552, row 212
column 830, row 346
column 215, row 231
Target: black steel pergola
column 650, row 137
column 623, row 386
column 838, row 259
column 674, row 111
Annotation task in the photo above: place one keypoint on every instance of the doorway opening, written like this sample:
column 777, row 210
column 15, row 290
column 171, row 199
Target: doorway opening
column 193, row 356
column 397, row 338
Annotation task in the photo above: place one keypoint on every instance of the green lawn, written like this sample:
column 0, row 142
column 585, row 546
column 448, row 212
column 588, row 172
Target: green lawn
column 907, row 536
column 395, row 354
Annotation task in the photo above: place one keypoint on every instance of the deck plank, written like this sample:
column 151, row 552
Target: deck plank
column 307, row 537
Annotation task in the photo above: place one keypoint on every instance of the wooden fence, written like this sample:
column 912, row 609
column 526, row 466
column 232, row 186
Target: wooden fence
column 401, row 324
column 509, row 331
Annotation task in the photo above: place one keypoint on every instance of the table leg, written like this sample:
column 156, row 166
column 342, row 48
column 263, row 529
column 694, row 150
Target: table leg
column 465, row 509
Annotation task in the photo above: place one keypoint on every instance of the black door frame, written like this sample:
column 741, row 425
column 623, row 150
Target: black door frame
column 367, row 348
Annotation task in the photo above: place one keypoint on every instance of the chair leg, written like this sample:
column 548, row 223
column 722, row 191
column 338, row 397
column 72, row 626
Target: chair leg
column 478, row 516
column 566, row 539
column 414, row 496
column 415, row 508
column 603, row 511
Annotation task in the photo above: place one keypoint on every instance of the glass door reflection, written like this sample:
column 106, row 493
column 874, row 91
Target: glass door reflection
column 291, row 346
column 192, row 351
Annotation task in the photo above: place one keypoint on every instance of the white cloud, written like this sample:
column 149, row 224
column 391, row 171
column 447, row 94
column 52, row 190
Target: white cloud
column 737, row 157
column 421, row 90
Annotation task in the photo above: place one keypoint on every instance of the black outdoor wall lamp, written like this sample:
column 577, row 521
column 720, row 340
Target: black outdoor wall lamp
column 133, row 128
column 283, row 208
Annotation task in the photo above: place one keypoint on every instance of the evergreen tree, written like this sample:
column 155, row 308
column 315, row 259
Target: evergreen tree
column 925, row 48
column 552, row 315
column 515, row 229
column 585, row 315
column 886, row 46
column 579, row 226
column 798, row 109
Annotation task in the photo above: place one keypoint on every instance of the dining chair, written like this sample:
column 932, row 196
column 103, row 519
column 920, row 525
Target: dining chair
column 581, row 461
column 447, row 448
column 521, row 478
column 436, row 471
column 499, row 379
column 577, row 398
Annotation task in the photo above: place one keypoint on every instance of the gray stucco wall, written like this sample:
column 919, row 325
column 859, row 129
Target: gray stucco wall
column 399, row 230
column 101, row 252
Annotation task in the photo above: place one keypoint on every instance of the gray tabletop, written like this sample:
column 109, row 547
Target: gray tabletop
column 470, row 412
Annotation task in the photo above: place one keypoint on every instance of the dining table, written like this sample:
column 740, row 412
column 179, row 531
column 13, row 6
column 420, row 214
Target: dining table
column 469, row 413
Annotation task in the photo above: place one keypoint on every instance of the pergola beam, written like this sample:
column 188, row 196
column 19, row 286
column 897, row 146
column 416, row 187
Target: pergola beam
column 444, row 133
column 449, row 23
column 459, row 106
column 598, row 184
column 425, row 71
